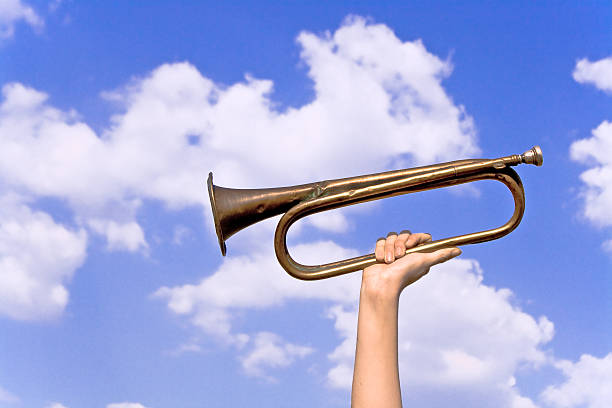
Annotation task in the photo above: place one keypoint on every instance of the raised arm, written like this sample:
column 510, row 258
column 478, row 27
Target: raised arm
column 376, row 375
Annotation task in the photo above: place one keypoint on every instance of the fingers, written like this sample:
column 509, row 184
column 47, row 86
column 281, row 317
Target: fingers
column 406, row 240
column 439, row 256
column 380, row 250
column 400, row 243
column 394, row 246
column 417, row 239
column 390, row 247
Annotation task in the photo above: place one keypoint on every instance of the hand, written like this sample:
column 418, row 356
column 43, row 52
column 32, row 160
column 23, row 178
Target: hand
column 397, row 270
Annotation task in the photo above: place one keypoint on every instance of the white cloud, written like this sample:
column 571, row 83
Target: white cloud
column 37, row 258
column 175, row 125
column 588, row 384
column 12, row 12
column 256, row 281
column 455, row 334
column 333, row 221
column 598, row 73
column 399, row 111
column 125, row 405
column 596, row 151
column 271, row 351
column 127, row 236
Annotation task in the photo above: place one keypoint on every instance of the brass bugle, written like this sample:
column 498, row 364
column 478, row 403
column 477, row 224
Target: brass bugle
column 235, row 209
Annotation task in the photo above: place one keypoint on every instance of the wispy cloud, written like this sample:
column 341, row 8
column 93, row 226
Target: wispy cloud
column 6, row 396
column 269, row 350
column 13, row 12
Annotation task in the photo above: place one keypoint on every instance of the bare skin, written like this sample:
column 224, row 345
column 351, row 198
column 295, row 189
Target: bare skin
column 376, row 375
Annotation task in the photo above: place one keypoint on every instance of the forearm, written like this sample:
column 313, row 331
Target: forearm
column 376, row 376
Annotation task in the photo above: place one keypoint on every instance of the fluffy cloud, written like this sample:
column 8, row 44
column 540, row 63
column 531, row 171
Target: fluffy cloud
column 174, row 125
column 257, row 281
column 37, row 258
column 455, row 334
column 128, row 236
column 271, row 351
column 56, row 405
column 598, row 73
column 596, row 152
column 588, row 384
column 14, row 11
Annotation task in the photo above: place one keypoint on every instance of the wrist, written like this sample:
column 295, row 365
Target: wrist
column 379, row 288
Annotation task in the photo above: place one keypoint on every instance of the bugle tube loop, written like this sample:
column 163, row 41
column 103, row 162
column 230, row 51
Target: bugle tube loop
column 305, row 272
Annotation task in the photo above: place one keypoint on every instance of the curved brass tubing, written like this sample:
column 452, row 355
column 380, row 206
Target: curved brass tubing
column 507, row 176
column 235, row 209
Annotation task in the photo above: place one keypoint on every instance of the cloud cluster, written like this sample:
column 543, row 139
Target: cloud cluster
column 14, row 11
column 378, row 102
column 257, row 282
column 596, row 152
column 455, row 332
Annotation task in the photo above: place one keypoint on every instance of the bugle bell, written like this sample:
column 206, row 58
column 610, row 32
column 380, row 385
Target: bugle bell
column 235, row 209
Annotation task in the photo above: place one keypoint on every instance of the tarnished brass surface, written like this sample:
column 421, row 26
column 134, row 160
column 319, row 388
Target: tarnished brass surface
column 235, row 209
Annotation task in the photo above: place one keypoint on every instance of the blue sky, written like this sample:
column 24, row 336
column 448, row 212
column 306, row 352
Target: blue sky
column 113, row 292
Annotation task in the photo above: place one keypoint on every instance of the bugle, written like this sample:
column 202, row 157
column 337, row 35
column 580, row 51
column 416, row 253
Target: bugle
column 235, row 209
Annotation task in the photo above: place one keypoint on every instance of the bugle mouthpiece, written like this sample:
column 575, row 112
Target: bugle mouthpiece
column 533, row 156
